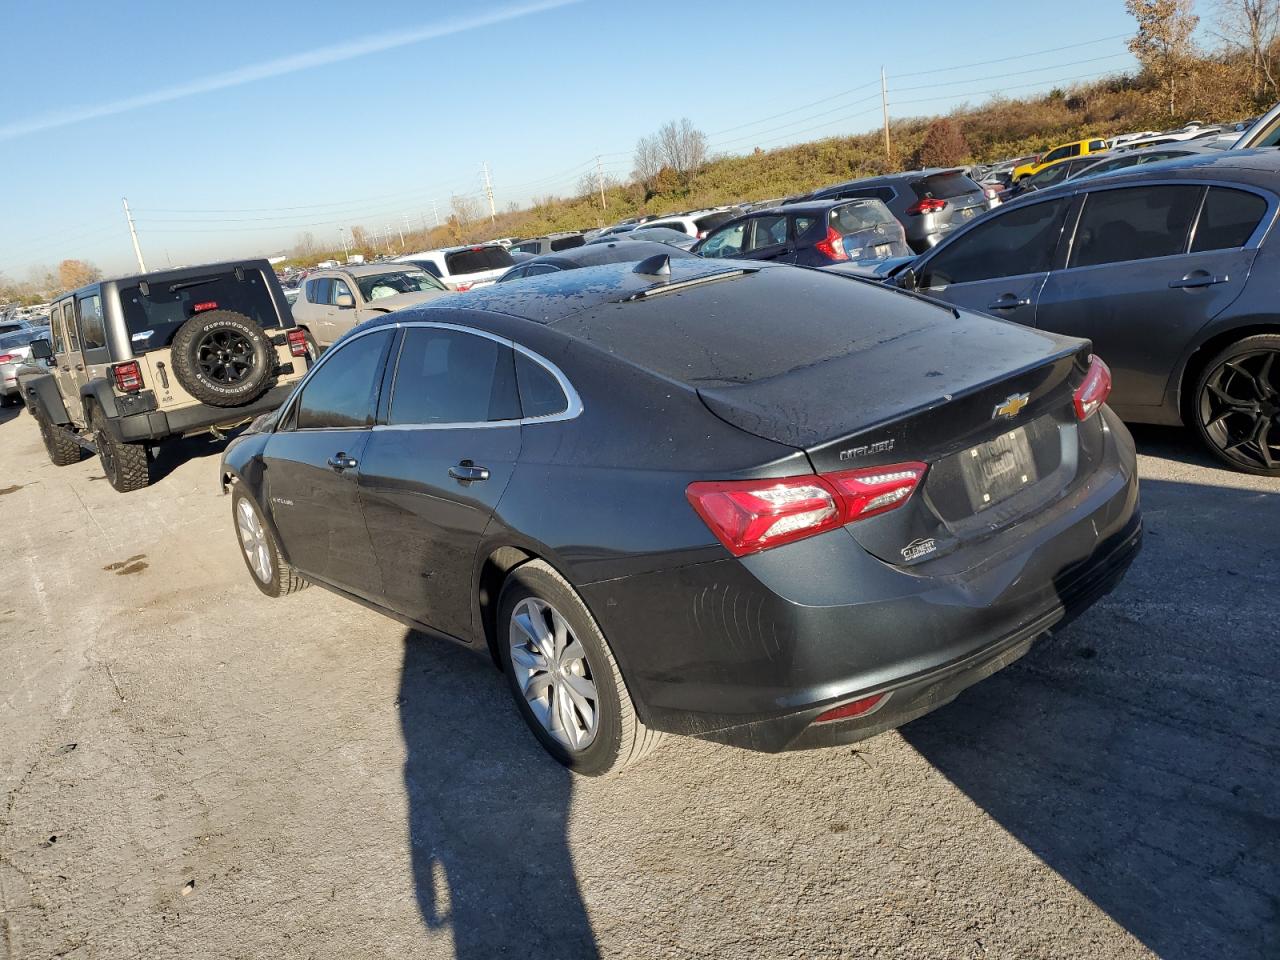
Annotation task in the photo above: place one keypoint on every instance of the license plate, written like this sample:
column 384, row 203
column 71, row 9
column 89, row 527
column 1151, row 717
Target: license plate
column 966, row 213
column 996, row 470
column 882, row 249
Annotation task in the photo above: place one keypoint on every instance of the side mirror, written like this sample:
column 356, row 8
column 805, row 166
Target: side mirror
column 41, row 349
column 907, row 279
column 345, row 301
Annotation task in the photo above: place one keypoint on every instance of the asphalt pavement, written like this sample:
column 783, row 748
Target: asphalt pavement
column 188, row 769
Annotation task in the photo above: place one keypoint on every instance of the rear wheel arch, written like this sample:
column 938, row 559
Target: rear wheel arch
column 1186, row 380
column 491, row 576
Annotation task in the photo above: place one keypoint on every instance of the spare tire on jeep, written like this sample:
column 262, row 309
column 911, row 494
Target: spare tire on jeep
column 223, row 358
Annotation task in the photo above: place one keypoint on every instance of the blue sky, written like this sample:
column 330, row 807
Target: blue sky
column 233, row 127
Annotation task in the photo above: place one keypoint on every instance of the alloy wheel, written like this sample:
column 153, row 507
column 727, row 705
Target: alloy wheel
column 550, row 665
column 1239, row 409
column 253, row 540
column 225, row 357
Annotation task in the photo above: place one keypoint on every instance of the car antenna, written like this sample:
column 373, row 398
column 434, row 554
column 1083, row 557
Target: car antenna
column 659, row 265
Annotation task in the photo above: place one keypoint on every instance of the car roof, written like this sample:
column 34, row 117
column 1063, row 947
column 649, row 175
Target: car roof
column 174, row 273
column 369, row 269
column 613, row 251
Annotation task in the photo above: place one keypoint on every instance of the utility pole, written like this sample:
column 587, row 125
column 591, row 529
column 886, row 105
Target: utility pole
column 434, row 214
column 404, row 222
column 133, row 233
column 343, row 234
column 884, row 103
column 488, row 192
column 386, row 232
column 600, row 181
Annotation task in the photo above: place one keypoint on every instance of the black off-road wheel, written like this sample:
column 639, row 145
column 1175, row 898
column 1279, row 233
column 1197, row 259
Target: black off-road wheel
column 1237, row 405
column 126, row 465
column 58, row 442
column 223, row 358
column 563, row 676
column 271, row 572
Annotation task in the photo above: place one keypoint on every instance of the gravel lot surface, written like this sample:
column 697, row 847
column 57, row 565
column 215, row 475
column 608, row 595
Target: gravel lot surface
column 189, row 769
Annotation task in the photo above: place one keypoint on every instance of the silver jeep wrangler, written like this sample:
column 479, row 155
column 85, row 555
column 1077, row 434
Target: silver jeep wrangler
column 138, row 360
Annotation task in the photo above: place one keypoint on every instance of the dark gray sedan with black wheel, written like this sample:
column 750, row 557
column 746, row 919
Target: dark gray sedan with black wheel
column 763, row 505
column 1171, row 269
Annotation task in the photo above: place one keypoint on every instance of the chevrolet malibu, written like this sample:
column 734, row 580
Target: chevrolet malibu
column 762, row 505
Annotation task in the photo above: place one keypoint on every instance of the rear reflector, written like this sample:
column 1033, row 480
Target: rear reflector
column 206, row 305
column 128, row 376
column 748, row 516
column 1094, row 389
column 927, row 205
column 855, row 709
column 297, row 340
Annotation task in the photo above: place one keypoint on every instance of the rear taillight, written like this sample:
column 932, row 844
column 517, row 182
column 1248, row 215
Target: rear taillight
column 927, row 205
column 297, row 340
column 702, row 234
column 206, row 305
column 462, row 287
column 832, row 246
column 857, row 708
column 6, row 357
column 1094, row 390
column 748, row 516
column 128, row 376
column 990, row 192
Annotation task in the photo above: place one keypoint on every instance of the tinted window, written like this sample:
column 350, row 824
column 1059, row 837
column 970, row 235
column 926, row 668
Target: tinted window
column 1097, row 145
column 884, row 194
column 1008, row 245
column 803, row 224
column 856, row 217
column 540, row 394
column 445, row 376
column 944, row 186
column 517, row 273
column 669, row 225
column 531, row 247
column 536, row 268
column 770, row 231
column 478, row 259
column 154, row 317
column 1134, row 223
column 69, row 325
column 1057, row 154
column 344, row 390
column 567, row 243
column 727, row 243
column 92, row 329
column 1048, row 177
column 713, row 220
column 431, row 267
column 1228, row 219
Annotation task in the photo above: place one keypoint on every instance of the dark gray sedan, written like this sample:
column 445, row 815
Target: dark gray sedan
column 1169, row 269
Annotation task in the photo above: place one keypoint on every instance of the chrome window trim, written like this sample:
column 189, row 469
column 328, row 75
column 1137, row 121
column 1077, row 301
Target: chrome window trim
column 572, row 410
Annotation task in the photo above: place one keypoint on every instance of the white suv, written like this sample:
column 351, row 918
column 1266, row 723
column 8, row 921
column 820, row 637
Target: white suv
column 695, row 223
column 461, row 268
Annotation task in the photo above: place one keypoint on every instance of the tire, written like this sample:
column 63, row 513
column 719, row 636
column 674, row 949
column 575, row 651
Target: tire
column 1236, row 405
column 58, row 442
column 618, row 739
column 260, row 549
column 223, row 358
column 126, row 465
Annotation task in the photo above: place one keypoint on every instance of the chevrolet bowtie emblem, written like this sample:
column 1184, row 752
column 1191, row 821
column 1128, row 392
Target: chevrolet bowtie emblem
column 1011, row 407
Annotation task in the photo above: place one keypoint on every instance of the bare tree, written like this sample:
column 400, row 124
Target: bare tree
column 305, row 246
column 683, row 148
column 360, row 238
column 1163, row 41
column 1253, row 27
column 648, row 161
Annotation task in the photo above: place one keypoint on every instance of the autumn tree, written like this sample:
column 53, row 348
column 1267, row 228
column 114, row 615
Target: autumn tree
column 76, row 273
column 1252, row 27
column 1163, row 43
column 943, row 146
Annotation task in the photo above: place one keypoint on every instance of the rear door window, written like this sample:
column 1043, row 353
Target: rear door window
column 69, row 325
column 59, row 341
column 1010, row 244
column 1134, row 223
column 1227, row 219
column 770, row 231
column 540, row 393
column 154, row 315
column 93, row 331
column 477, row 260
column 343, row 392
column 447, row 376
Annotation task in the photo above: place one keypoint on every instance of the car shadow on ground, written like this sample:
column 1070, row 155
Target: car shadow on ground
column 1180, row 444
column 172, row 454
column 1135, row 751
column 487, row 813
column 12, row 412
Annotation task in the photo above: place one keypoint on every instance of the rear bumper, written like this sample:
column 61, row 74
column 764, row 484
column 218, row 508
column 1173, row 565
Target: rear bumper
column 749, row 652
column 159, row 424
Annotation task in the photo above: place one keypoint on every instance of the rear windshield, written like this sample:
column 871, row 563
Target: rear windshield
column 944, row 186
column 713, row 220
column 402, row 281
column 10, row 340
column 477, row 260
column 567, row 243
column 855, row 217
column 154, row 317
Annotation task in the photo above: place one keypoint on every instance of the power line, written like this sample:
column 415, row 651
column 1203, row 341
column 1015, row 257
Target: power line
column 1015, row 73
column 1020, row 56
column 803, row 106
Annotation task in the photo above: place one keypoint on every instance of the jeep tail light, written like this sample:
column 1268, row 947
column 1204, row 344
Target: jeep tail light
column 128, row 376
column 748, row 516
column 6, row 357
column 1094, row 389
column 856, row 708
column 297, row 340
column 927, row 205
column 205, row 305
column 832, row 245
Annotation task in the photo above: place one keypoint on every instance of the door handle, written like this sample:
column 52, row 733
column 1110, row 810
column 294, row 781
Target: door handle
column 1198, row 279
column 341, row 461
column 1008, row 302
column 80, row 366
column 66, row 369
column 467, row 471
